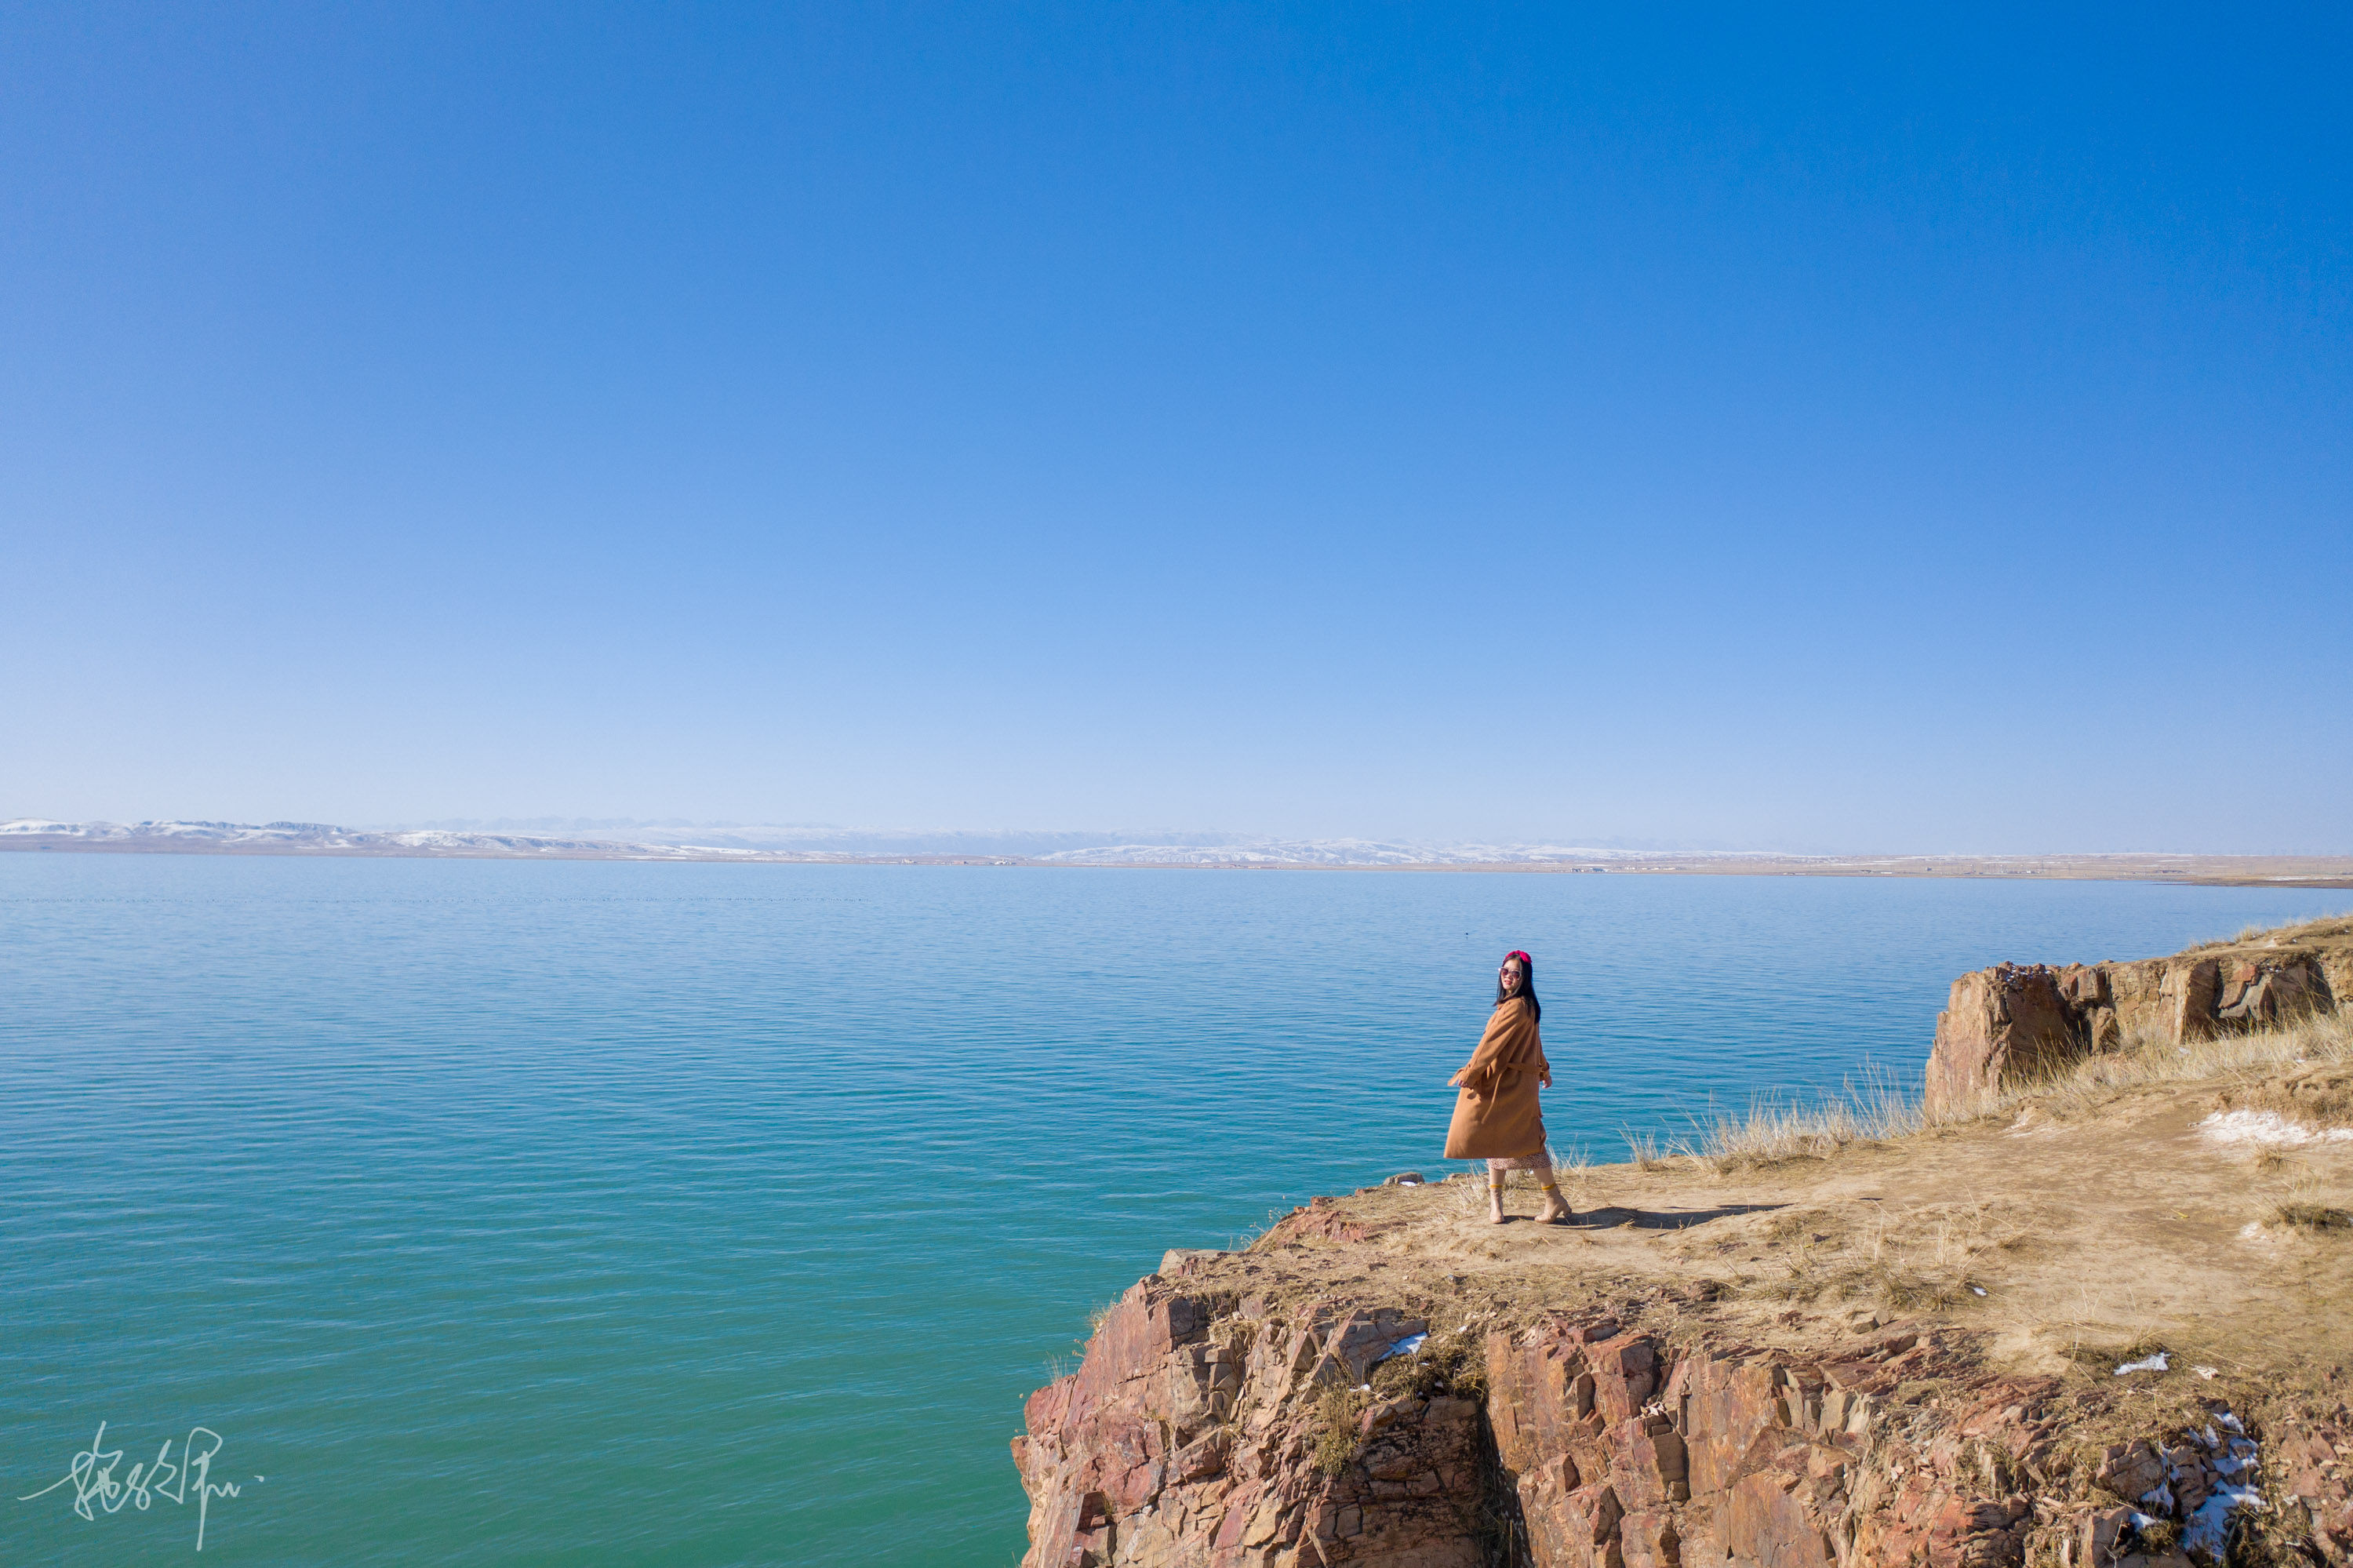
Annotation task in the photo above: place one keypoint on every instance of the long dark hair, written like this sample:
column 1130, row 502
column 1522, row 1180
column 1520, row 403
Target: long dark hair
column 1527, row 983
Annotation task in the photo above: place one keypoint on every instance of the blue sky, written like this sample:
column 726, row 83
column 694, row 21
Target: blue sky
column 1808, row 430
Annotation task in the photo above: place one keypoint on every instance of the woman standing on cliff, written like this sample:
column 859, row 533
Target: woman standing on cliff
column 1496, row 1117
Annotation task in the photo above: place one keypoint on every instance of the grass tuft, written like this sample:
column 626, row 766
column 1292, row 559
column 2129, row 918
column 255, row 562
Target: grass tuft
column 1337, row 1412
column 1908, row 1292
column 1650, row 1151
column 2312, row 1217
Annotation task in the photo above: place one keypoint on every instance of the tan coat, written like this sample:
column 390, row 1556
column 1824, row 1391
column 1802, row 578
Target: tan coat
column 1496, row 1115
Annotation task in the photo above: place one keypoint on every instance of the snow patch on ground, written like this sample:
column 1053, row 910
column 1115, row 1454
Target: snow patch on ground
column 2203, row 1533
column 2206, row 1531
column 2268, row 1126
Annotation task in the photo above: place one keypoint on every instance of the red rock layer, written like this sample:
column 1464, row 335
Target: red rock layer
column 1189, row 1438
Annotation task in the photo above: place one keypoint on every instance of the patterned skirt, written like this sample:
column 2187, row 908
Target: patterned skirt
column 1540, row 1160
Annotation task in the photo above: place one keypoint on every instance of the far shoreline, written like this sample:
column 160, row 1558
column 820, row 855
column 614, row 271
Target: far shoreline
column 2299, row 871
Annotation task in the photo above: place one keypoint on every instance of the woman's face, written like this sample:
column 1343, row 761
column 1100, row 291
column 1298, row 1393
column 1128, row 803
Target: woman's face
column 1512, row 979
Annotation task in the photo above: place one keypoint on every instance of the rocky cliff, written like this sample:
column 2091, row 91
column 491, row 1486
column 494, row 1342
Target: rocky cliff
column 1201, row 1431
column 2014, row 1023
column 2116, row 1341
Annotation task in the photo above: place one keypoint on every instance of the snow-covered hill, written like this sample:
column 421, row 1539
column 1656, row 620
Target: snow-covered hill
column 795, row 842
column 321, row 838
column 1334, row 852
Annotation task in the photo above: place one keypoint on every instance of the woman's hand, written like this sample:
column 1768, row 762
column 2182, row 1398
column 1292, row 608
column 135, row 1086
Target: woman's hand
column 1548, row 1077
column 1455, row 1082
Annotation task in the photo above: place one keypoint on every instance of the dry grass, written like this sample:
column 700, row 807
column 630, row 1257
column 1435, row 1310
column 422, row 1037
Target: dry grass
column 1572, row 1173
column 1337, row 1412
column 1775, row 1132
column 2318, row 1096
column 1650, row 1151
column 2325, row 928
column 1468, row 1193
column 1930, row 1263
column 2304, row 1206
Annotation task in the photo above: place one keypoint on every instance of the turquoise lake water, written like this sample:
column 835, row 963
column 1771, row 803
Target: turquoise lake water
column 596, row 1212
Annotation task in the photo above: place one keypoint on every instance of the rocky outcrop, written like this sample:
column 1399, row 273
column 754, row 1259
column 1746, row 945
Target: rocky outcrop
column 1205, row 1433
column 2002, row 1025
column 2014, row 1023
column 1191, row 1432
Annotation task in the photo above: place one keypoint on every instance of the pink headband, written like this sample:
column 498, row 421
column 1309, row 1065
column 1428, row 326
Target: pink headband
column 1525, row 962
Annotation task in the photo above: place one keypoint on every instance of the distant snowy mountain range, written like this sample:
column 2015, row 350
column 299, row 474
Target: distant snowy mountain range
column 802, row 842
column 650, row 841
column 313, row 838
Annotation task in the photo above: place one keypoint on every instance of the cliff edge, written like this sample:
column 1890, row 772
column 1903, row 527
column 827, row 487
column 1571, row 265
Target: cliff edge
column 2101, row 1321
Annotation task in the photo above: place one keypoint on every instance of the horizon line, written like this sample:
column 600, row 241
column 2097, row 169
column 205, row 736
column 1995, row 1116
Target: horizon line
column 183, row 836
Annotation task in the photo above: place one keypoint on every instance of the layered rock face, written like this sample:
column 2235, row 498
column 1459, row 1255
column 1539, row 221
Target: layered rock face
column 1197, row 1433
column 2013, row 1023
column 1628, row 1456
column 1195, row 1436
